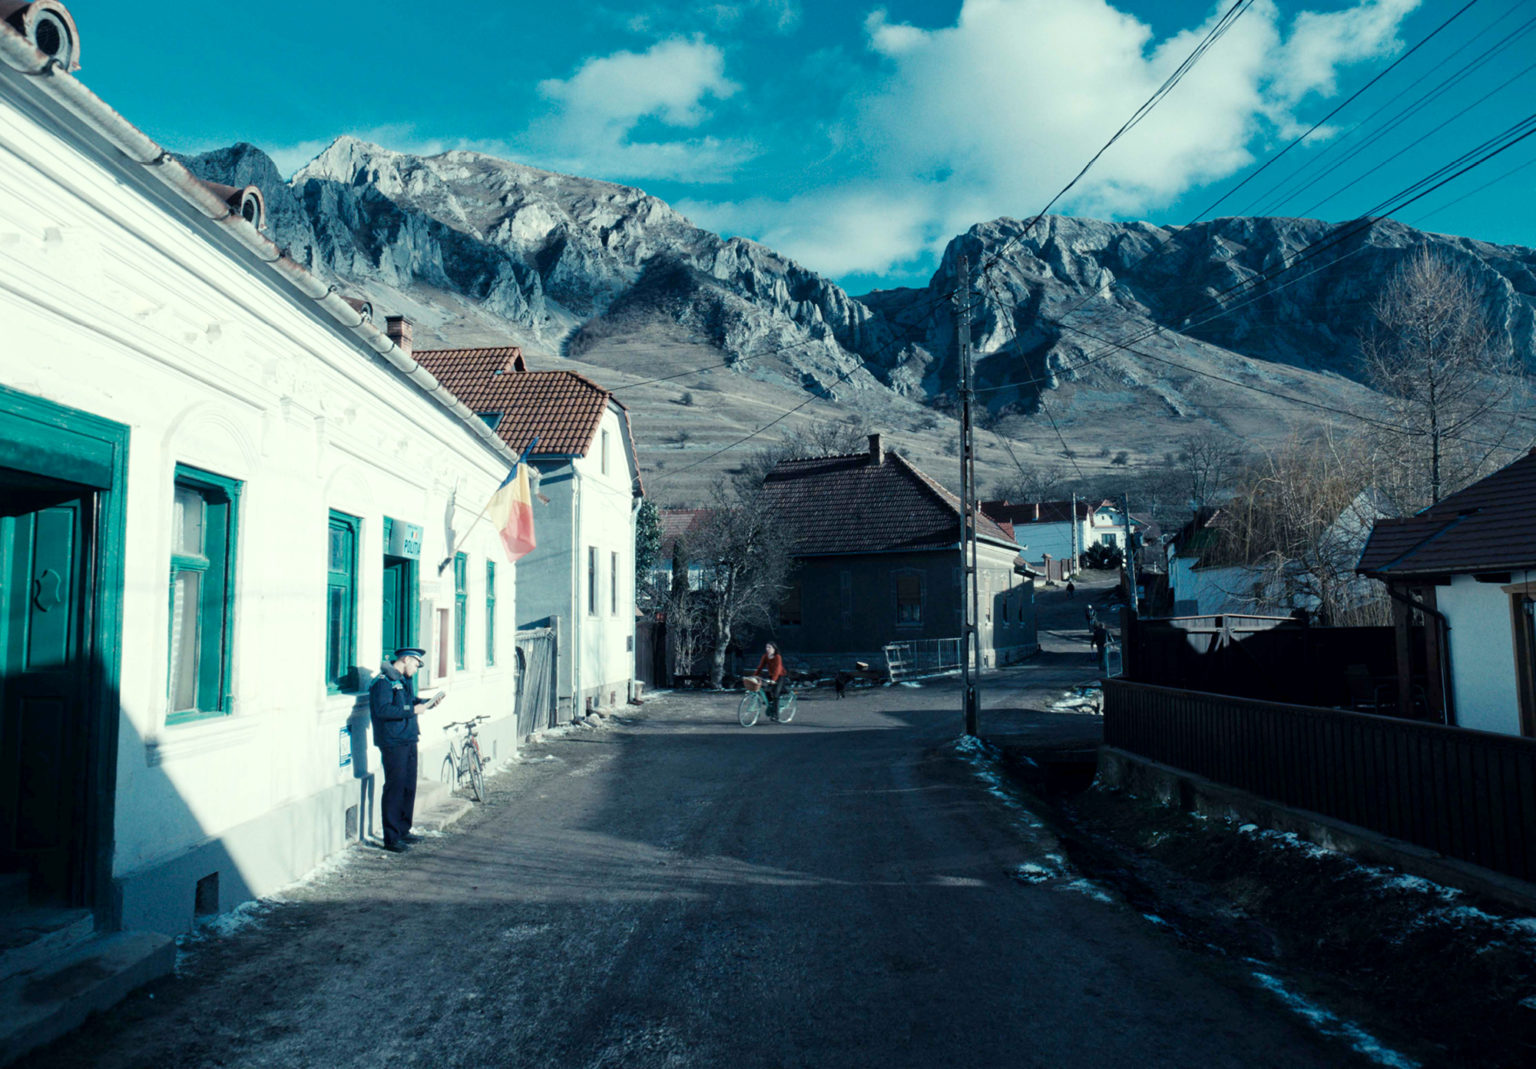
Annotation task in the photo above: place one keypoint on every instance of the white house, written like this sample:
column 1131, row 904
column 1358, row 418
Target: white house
column 1208, row 576
column 1046, row 528
column 1466, row 567
column 581, row 578
column 226, row 494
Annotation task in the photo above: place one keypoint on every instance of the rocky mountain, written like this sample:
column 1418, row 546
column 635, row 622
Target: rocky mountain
column 1125, row 335
column 472, row 246
column 1296, row 293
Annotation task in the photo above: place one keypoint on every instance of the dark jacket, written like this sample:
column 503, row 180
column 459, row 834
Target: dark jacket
column 392, row 701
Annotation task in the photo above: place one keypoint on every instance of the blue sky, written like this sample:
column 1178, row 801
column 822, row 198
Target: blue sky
column 859, row 137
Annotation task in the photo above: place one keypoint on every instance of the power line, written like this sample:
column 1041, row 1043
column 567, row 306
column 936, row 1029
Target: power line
column 1216, row 32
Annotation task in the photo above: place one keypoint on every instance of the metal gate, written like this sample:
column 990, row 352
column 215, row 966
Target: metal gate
column 537, row 649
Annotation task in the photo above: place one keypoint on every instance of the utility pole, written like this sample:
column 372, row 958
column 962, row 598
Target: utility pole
column 970, row 635
column 1072, row 554
column 1130, row 552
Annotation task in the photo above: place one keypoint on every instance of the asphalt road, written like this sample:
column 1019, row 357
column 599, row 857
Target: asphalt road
column 675, row 890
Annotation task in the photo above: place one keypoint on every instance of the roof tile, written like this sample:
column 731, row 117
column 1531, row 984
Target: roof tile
column 850, row 504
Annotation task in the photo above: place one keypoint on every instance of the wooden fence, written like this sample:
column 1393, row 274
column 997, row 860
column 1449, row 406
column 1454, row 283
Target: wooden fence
column 1466, row 794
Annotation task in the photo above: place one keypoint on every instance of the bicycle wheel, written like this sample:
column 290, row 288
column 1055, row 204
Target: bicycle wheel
column 752, row 704
column 476, row 774
column 787, row 703
column 450, row 773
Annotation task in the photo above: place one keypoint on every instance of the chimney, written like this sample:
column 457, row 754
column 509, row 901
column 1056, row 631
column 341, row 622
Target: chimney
column 399, row 330
column 876, row 454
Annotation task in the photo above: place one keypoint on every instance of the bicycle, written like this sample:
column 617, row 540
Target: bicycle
column 466, row 763
column 755, row 703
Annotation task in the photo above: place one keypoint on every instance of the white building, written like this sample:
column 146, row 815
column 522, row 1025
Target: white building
column 581, row 578
column 226, row 495
column 1466, row 567
column 1046, row 528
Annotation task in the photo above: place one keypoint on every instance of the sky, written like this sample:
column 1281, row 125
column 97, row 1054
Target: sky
column 860, row 137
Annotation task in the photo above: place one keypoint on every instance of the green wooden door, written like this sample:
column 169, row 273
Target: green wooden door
column 399, row 604
column 44, row 681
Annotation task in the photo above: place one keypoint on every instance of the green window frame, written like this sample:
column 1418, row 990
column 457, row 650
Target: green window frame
column 490, row 614
column 460, row 607
column 342, row 538
column 204, row 532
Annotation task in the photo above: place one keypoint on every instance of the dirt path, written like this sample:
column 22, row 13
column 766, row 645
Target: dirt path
column 677, row 891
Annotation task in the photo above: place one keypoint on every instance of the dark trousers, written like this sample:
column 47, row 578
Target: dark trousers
column 773, row 690
column 399, row 805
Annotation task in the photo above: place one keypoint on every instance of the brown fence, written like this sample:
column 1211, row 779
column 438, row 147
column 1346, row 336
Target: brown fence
column 1466, row 794
column 1264, row 658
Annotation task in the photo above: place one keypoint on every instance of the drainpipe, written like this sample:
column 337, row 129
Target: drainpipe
column 1443, row 637
column 52, row 77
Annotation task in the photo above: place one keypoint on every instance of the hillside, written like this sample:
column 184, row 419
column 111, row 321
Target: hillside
column 610, row 281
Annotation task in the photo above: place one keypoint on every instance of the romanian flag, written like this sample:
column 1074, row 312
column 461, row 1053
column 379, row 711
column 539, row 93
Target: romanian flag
column 511, row 510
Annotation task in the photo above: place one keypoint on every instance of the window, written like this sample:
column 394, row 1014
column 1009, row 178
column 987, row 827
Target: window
column 591, row 580
column 341, row 604
column 789, row 608
column 613, row 584
column 1523, row 605
column 460, row 607
column 202, row 594
column 605, row 452
column 1107, row 539
column 490, row 613
column 909, row 600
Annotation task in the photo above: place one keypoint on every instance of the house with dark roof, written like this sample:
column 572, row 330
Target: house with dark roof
column 581, row 578
column 1466, row 569
column 877, row 549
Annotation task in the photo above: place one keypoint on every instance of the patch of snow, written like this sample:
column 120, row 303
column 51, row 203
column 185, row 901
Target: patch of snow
column 1330, row 1024
column 1248, row 829
column 1155, row 919
column 1090, row 889
column 1529, row 1003
column 1030, row 872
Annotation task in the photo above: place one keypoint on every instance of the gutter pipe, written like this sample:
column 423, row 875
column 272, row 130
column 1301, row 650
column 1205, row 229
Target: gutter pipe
column 18, row 53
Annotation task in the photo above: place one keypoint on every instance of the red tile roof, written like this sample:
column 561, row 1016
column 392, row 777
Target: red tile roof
column 1019, row 513
column 1488, row 527
column 676, row 523
column 563, row 409
column 851, row 504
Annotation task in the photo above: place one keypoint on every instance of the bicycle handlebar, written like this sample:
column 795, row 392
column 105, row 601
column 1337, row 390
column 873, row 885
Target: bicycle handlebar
column 466, row 723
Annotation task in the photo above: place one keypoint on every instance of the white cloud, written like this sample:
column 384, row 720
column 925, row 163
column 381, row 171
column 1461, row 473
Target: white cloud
column 1321, row 42
column 991, row 116
column 592, row 128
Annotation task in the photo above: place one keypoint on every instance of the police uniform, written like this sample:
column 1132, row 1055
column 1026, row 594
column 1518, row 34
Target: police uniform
column 392, row 702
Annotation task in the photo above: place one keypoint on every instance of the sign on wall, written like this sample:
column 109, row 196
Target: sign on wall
column 402, row 539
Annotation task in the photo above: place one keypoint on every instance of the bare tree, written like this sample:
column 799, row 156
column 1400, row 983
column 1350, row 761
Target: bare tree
column 833, row 438
column 1450, row 386
column 686, row 613
column 1037, row 482
column 743, row 554
column 1205, row 466
column 1297, row 522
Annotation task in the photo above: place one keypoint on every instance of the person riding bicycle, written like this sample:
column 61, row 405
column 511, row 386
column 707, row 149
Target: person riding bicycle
column 778, row 679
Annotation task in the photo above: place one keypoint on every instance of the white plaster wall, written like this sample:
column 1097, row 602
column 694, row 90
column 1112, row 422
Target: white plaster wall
column 605, row 518
column 117, row 301
column 1482, row 655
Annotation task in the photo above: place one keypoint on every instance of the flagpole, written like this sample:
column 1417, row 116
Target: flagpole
column 470, row 530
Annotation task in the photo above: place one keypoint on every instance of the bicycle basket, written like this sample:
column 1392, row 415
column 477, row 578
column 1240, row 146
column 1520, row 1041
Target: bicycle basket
column 751, row 683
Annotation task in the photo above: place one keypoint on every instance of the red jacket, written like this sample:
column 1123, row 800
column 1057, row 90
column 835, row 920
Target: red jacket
column 775, row 666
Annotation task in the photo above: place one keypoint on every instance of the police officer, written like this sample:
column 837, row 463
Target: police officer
column 392, row 701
